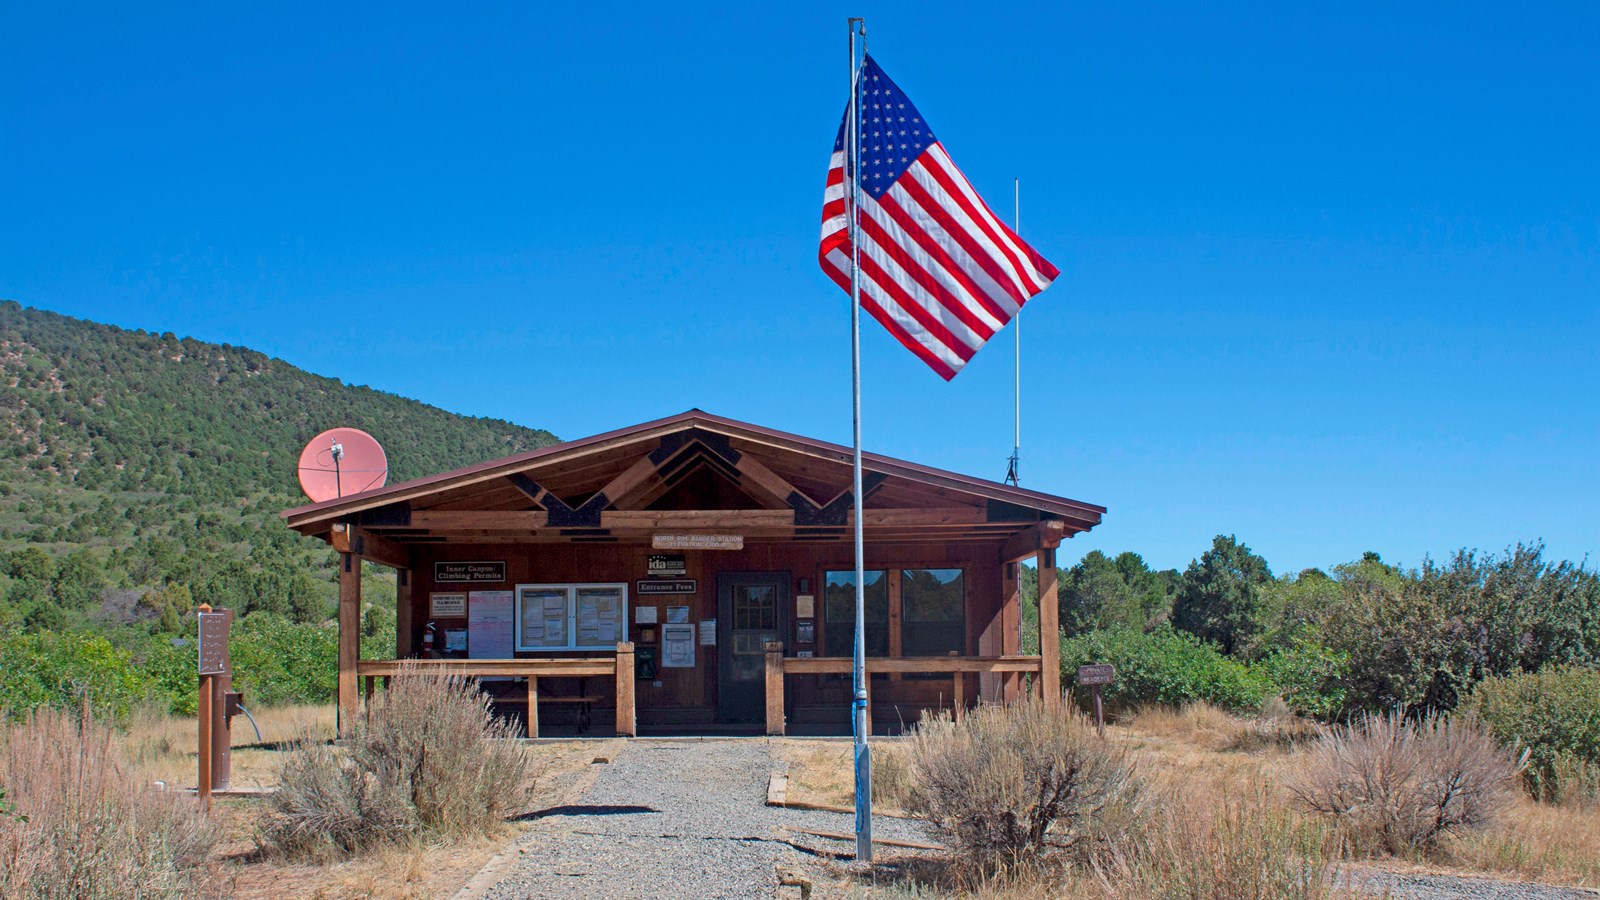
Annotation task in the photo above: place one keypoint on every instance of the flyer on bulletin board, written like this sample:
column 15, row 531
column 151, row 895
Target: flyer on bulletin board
column 490, row 625
column 677, row 646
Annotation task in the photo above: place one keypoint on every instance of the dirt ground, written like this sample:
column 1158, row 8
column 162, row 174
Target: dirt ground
column 164, row 748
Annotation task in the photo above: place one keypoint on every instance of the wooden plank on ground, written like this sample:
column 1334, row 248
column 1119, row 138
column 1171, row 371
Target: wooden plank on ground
column 777, row 789
column 885, row 842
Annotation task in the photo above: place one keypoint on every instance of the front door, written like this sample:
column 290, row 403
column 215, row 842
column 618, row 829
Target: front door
column 752, row 607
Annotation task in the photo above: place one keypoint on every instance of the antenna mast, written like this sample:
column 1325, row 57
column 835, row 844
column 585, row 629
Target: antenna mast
column 1013, row 474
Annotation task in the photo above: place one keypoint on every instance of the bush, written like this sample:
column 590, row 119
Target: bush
column 1396, row 786
column 84, row 825
column 1162, row 666
column 428, row 757
column 1555, row 716
column 1009, row 786
column 278, row 662
column 1308, row 677
column 65, row 671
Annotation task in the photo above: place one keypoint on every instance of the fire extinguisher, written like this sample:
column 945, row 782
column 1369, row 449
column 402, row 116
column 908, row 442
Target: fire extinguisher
column 427, row 642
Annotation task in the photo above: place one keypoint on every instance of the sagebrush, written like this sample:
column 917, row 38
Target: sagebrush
column 1397, row 785
column 1011, row 787
column 80, row 824
column 428, row 757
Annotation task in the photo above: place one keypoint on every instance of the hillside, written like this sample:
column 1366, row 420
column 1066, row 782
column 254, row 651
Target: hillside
column 144, row 470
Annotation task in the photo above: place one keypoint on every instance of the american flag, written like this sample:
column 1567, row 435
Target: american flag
column 938, row 268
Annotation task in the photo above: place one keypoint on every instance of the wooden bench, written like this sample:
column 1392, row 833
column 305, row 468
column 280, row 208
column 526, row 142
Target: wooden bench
column 583, row 700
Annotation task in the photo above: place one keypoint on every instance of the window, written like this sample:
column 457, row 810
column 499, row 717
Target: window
column 932, row 612
column 839, row 607
column 571, row 616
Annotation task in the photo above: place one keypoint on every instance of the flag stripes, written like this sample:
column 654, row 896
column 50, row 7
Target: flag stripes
column 938, row 269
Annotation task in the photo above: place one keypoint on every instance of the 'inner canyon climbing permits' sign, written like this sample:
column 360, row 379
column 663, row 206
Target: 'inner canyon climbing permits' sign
column 477, row 571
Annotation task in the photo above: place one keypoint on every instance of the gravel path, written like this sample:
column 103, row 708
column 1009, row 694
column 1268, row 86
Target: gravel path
column 671, row 819
column 1408, row 886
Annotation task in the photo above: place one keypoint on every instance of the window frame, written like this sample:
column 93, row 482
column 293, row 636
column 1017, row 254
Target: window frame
column 894, row 625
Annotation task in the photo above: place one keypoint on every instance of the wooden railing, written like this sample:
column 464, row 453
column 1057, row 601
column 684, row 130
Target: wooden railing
column 620, row 667
column 779, row 666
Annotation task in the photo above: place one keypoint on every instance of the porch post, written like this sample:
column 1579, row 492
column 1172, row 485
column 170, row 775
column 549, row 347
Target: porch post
column 349, row 639
column 1049, row 627
column 774, row 688
column 402, row 613
column 625, row 714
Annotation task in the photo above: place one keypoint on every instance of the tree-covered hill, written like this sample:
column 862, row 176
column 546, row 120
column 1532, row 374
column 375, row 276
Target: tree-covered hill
column 142, row 472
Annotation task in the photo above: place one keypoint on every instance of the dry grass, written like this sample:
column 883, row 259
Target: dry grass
column 1534, row 841
column 820, row 773
column 163, row 747
column 85, row 824
column 1196, row 762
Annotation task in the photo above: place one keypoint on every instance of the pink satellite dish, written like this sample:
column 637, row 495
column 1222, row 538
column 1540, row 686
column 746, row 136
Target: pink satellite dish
column 340, row 462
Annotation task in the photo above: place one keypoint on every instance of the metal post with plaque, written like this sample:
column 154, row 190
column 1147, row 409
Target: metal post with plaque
column 1094, row 676
column 216, row 678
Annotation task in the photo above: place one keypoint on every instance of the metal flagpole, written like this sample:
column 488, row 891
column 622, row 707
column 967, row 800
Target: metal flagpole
column 859, row 719
column 1014, row 468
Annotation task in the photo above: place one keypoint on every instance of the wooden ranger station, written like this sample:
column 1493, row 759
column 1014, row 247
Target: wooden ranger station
column 695, row 574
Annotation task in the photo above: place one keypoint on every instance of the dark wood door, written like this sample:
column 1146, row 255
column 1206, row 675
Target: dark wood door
column 752, row 609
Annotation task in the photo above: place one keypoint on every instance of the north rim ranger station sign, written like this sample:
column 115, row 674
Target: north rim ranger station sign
column 762, row 520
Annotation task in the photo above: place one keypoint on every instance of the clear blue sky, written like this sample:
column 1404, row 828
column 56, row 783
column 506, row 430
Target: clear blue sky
column 1331, row 276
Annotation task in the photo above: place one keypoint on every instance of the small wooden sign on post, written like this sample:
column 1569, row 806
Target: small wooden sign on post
column 1094, row 676
column 216, row 677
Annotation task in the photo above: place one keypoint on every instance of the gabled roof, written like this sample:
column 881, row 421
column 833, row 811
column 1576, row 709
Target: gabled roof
column 644, row 459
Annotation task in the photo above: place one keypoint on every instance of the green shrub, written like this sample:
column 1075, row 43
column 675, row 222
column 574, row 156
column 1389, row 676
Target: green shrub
column 277, row 662
column 1308, row 676
column 66, row 670
column 1554, row 714
column 1162, row 666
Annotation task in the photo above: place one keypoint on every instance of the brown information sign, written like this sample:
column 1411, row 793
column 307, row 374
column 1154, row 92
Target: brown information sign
column 1097, row 674
column 476, row 571
column 214, row 642
column 666, row 586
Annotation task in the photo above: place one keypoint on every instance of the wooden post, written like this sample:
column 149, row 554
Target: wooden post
column 1049, row 628
column 402, row 614
column 625, row 716
column 774, row 688
column 960, row 695
column 533, row 706
column 1099, row 715
column 1011, row 627
column 349, row 639
column 207, row 696
column 371, row 688
column 221, row 739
